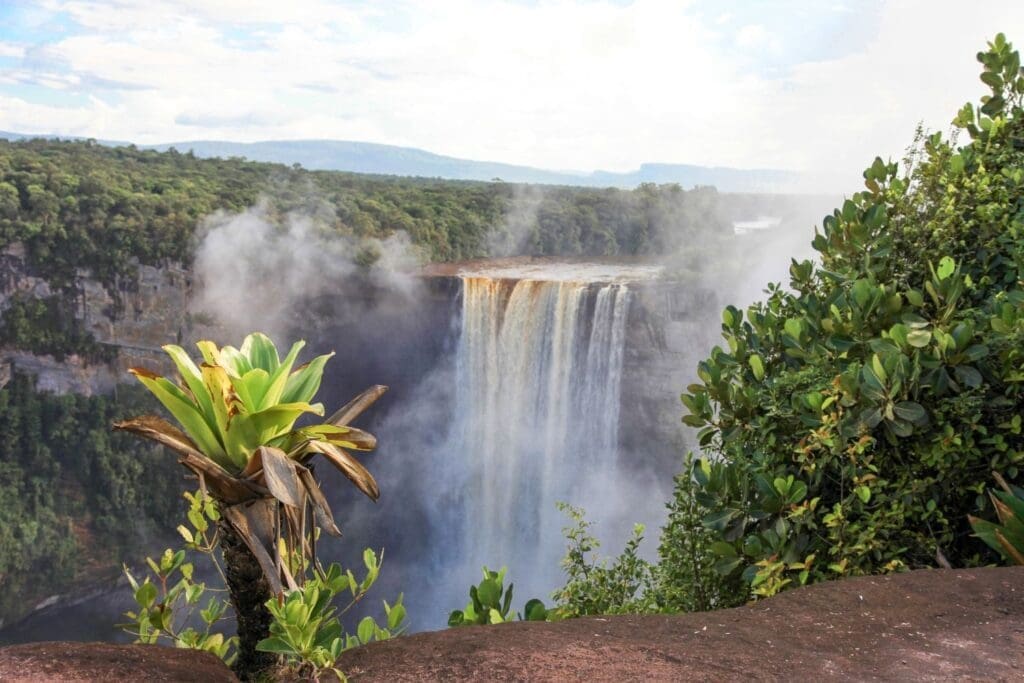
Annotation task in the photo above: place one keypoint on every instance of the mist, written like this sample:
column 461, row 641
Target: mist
column 512, row 236
column 261, row 272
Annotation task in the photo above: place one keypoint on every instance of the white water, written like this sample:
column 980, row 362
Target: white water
column 539, row 365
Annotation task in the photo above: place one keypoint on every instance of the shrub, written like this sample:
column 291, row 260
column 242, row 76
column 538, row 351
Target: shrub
column 850, row 425
column 490, row 603
column 593, row 586
column 685, row 579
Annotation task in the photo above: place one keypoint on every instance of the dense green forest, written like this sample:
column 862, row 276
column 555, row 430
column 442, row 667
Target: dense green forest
column 80, row 205
column 69, row 488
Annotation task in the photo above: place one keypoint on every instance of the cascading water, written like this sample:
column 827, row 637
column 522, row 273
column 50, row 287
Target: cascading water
column 539, row 365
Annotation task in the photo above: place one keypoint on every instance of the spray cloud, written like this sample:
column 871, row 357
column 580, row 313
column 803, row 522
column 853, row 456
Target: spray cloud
column 261, row 273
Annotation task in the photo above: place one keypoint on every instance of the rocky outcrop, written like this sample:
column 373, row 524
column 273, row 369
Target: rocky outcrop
column 105, row 662
column 928, row 625
column 667, row 335
column 135, row 316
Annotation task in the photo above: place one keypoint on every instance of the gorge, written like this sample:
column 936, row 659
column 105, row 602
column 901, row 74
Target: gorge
column 549, row 380
column 707, row 435
column 534, row 381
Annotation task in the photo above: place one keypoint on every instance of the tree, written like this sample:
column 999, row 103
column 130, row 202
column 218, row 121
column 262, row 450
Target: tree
column 852, row 422
column 238, row 409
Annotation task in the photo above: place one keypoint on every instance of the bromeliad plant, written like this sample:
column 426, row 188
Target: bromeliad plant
column 238, row 409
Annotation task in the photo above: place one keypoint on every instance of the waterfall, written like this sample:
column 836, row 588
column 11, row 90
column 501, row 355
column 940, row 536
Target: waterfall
column 539, row 365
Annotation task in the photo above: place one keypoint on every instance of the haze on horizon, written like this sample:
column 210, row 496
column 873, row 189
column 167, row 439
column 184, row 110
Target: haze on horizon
column 819, row 87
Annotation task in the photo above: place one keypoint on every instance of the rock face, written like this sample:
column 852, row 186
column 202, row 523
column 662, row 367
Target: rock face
column 105, row 662
column 667, row 335
column 137, row 317
column 922, row 625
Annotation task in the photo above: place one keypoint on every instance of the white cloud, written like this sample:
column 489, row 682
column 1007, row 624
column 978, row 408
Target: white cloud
column 752, row 35
column 562, row 84
column 836, row 116
column 11, row 50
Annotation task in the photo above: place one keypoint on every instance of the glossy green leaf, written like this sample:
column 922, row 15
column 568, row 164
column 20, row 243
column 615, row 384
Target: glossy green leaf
column 365, row 630
column 911, row 412
column 946, row 267
column 919, row 338
column 304, row 382
column 757, row 366
column 187, row 413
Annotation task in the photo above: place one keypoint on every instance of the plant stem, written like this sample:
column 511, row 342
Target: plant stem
column 249, row 594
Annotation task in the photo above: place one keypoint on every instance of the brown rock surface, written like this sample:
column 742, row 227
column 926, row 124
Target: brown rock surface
column 922, row 625
column 67, row 661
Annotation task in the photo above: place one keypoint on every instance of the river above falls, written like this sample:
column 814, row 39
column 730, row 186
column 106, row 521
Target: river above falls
column 612, row 271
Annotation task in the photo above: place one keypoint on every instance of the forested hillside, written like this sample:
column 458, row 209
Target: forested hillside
column 83, row 205
column 69, row 488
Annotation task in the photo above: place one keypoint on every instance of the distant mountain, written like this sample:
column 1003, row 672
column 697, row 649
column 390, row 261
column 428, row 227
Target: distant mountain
column 366, row 157
column 687, row 175
column 7, row 135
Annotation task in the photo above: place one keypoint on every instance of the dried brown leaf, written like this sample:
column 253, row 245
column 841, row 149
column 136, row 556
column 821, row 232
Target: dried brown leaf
column 357, row 406
column 281, row 474
column 360, row 440
column 161, row 431
column 240, row 523
column 224, row 486
column 323, row 511
column 348, row 466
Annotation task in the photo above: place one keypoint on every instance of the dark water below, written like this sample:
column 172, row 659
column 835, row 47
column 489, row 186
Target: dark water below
column 92, row 616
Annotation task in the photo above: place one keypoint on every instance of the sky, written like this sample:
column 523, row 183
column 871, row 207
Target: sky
column 819, row 86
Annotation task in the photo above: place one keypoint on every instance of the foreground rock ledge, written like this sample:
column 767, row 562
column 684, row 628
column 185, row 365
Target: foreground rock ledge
column 922, row 625
column 106, row 662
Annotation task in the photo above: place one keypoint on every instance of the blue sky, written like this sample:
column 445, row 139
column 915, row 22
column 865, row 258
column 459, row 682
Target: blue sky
column 813, row 85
